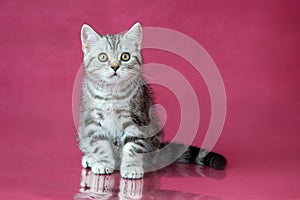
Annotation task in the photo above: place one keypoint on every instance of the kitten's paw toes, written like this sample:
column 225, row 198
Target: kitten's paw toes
column 132, row 172
column 99, row 168
column 87, row 161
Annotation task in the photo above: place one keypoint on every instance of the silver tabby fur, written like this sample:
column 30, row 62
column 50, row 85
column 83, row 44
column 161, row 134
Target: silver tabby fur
column 116, row 122
column 118, row 128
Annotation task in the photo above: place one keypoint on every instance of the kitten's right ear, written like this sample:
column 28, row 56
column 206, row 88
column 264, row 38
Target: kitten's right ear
column 88, row 37
column 135, row 35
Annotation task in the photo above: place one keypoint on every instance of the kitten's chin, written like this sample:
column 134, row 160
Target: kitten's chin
column 114, row 79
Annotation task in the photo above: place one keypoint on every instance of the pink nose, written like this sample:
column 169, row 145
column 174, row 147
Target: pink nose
column 114, row 64
column 115, row 67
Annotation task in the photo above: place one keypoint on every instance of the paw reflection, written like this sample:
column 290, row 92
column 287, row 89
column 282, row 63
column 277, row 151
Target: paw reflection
column 104, row 187
column 131, row 189
column 95, row 186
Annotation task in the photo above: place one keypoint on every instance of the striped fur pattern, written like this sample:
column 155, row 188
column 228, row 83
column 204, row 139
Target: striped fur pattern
column 116, row 123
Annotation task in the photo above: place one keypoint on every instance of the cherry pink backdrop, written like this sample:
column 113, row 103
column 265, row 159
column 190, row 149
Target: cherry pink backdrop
column 255, row 45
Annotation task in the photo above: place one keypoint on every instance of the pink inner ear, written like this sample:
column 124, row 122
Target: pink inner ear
column 86, row 36
column 85, row 42
column 86, row 46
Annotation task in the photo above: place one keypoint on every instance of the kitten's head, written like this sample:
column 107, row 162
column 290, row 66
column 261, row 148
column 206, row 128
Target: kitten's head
column 112, row 58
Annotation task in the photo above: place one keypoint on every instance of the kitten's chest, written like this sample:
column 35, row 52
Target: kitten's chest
column 109, row 118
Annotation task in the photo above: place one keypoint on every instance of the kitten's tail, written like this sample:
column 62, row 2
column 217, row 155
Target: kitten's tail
column 198, row 156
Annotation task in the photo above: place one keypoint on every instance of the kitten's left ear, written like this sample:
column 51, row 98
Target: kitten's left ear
column 135, row 35
column 88, row 37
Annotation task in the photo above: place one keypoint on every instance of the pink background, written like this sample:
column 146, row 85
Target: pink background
column 255, row 45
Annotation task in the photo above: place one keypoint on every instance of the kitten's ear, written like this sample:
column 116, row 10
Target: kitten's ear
column 88, row 37
column 135, row 35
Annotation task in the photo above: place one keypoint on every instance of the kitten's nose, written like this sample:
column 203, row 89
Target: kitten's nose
column 114, row 65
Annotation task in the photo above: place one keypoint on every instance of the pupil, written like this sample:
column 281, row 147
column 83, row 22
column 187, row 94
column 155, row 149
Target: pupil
column 125, row 56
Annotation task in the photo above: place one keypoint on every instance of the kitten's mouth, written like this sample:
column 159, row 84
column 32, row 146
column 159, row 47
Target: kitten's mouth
column 115, row 75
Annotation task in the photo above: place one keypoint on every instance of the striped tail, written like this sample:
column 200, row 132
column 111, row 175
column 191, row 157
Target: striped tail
column 196, row 155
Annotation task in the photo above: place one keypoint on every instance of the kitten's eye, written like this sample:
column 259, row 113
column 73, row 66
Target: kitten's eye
column 125, row 56
column 102, row 57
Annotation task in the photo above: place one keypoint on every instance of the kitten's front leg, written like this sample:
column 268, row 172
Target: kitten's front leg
column 99, row 155
column 132, row 155
column 104, row 163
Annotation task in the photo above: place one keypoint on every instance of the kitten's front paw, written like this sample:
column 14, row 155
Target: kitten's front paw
column 132, row 172
column 87, row 161
column 99, row 168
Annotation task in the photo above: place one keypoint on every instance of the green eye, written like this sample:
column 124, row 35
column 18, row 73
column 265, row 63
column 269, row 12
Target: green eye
column 102, row 57
column 125, row 56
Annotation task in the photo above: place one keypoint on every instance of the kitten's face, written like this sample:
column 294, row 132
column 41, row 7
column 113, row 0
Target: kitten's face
column 112, row 58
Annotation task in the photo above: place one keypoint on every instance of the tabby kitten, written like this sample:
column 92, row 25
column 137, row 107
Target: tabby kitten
column 117, row 127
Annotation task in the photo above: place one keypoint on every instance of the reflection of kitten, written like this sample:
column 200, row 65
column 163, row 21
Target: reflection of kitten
column 117, row 126
column 112, row 187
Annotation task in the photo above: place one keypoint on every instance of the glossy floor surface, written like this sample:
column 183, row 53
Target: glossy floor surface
column 255, row 45
column 46, row 170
